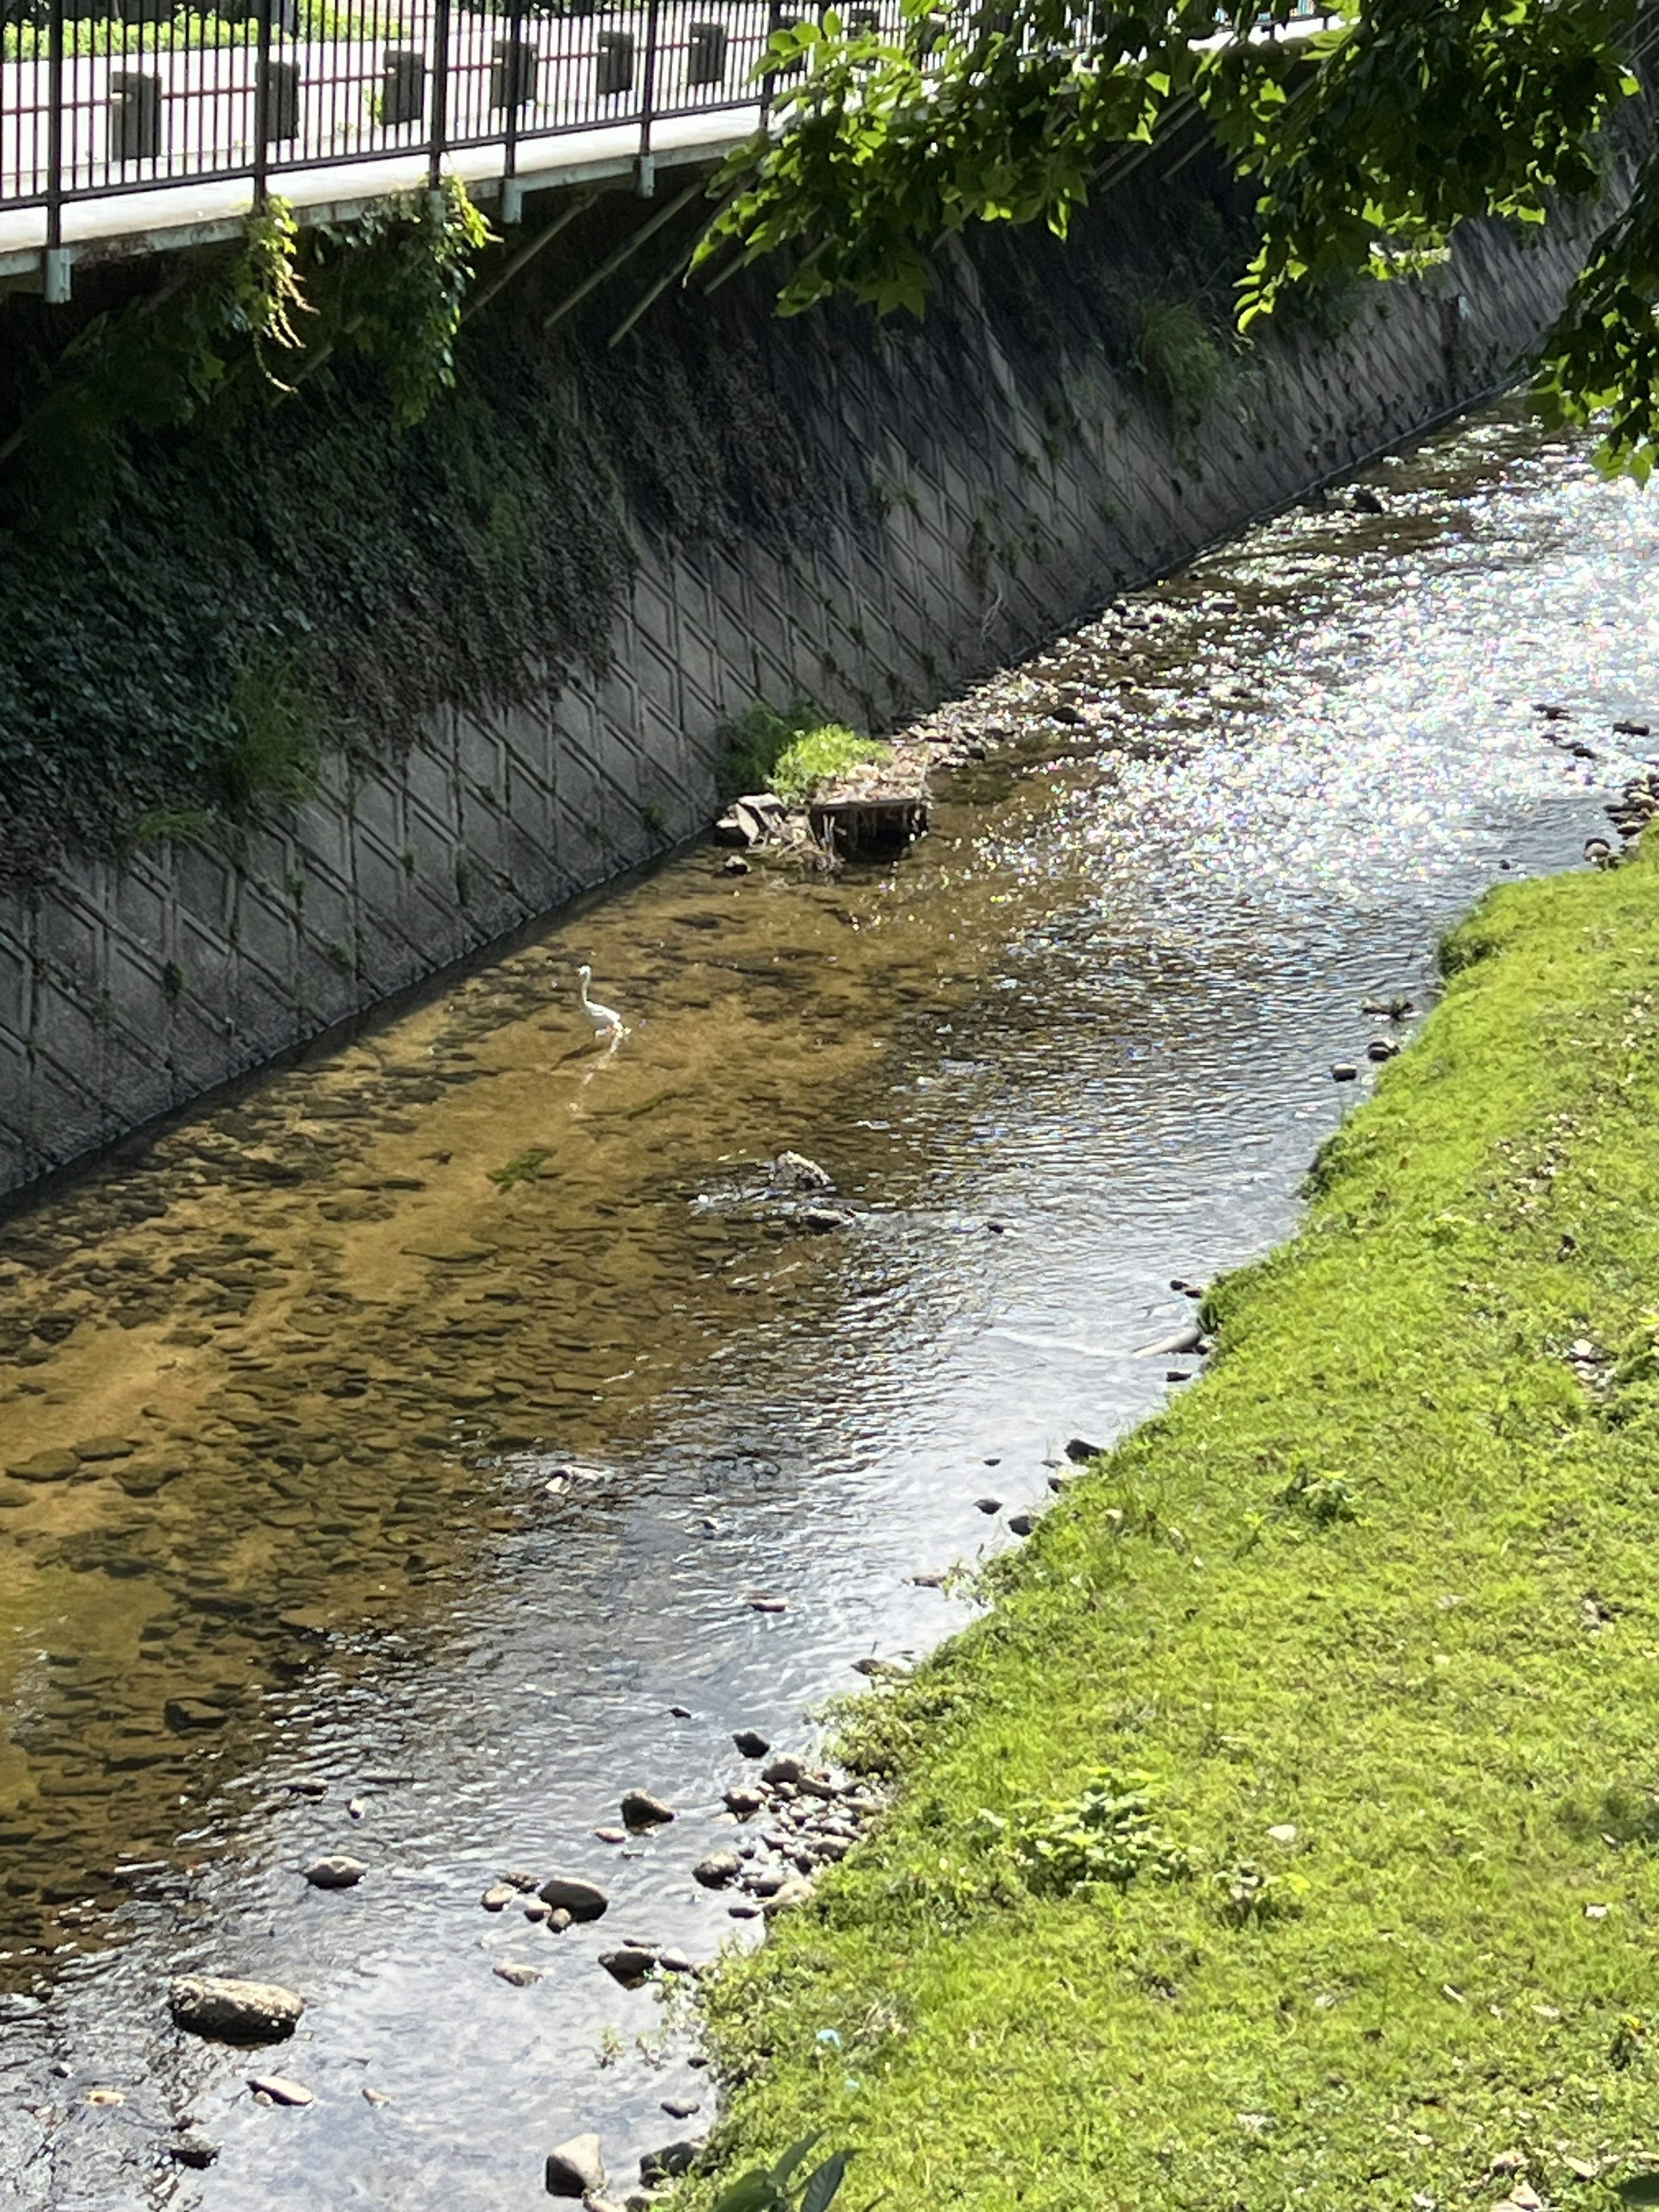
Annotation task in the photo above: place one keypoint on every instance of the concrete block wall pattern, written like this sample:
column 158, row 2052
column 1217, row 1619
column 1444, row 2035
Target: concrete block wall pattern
column 1008, row 505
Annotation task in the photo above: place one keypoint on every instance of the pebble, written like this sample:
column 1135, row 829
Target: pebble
column 1080, row 1448
column 234, row 2011
column 193, row 2148
column 989, row 1504
column 676, row 1962
column 582, row 1900
column 744, row 1912
column 761, row 1602
column 751, row 1743
column 639, row 1809
column 1345, row 1072
column 558, row 1920
column 1021, row 1524
column 517, row 1977
column 375, row 2097
column 498, row 1897
column 610, row 1835
column 743, row 1801
column 279, row 2089
column 575, row 2168
column 1381, row 1049
column 717, row 1870
column 335, row 1872
column 516, row 1878
column 681, row 2108
column 787, row 1769
column 537, row 1911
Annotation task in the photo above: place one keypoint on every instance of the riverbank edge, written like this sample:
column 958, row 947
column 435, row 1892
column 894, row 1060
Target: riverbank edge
column 1362, row 1630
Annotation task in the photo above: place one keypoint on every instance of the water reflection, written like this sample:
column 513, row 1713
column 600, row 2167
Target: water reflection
column 410, row 1427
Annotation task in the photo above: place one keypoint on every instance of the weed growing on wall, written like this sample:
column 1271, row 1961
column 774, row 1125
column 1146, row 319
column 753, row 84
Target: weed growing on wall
column 1183, row 365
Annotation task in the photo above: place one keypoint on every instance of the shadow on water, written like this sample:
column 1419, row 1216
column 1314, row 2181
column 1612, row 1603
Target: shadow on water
column 392, row 1447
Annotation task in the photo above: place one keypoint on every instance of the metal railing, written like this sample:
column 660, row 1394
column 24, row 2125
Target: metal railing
column 96, row 105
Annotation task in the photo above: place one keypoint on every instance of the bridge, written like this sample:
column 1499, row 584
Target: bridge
column 152, row 130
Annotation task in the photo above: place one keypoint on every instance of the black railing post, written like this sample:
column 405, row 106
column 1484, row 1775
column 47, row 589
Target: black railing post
column 263, row 112
column 646, row 172
column 515, row 86
column 439, row 92
column 53, row 273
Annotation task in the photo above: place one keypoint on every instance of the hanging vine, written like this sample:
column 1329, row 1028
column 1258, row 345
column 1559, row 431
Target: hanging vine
column 248, row 331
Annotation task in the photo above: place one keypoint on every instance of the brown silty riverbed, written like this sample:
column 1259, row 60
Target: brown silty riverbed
column 422, row 1422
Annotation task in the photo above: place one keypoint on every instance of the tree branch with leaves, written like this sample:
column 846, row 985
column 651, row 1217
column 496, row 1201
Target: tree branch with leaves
column 1369, row 141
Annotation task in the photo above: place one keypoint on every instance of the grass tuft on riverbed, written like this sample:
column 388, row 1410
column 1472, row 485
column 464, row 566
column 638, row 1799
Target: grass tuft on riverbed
column 1367, row 1628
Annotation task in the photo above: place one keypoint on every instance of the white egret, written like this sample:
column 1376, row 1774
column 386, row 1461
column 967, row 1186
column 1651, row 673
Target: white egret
column 607, row 1022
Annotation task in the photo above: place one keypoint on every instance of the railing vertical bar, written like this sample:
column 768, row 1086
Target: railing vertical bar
column 439, row 92
column 263, row 112
column 514, row 86
column 55, row 127
column 648, row 95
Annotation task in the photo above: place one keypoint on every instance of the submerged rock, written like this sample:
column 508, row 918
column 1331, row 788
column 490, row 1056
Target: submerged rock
column 191, row 2147
column 45, row 1466
column 234, row 2011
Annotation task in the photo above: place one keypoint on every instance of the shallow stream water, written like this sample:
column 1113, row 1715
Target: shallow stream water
column 443, row 1405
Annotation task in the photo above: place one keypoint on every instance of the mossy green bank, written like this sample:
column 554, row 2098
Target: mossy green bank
column 1365, row 1632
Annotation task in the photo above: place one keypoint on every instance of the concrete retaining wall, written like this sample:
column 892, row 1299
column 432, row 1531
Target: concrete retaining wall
column 1016, row 478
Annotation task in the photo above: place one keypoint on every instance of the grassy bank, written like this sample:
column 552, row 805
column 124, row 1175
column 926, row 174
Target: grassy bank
column 1365, row 1632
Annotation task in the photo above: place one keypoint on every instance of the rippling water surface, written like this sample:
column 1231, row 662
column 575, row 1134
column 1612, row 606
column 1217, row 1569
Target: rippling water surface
column 443, row 1414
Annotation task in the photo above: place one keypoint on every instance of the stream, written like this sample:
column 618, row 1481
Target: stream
column 442, row 1436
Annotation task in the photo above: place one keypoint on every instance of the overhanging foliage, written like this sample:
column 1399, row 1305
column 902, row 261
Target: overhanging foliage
column 1370, row 141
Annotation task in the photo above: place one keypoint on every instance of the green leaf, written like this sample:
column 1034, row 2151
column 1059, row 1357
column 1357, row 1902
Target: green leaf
column 752, row 2192
column 783, row 2172
column 822, row 2183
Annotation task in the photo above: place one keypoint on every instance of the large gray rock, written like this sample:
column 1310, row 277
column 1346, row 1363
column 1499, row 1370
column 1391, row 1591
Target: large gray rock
column 576, row 2168
column 582, row 1900
column 232, row 2011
